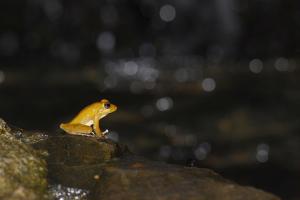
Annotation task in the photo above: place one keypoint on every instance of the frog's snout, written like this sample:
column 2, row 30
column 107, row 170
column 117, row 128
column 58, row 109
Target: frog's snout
column 114, row 108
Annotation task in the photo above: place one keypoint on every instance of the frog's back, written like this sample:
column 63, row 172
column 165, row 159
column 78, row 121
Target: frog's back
column 87, row 113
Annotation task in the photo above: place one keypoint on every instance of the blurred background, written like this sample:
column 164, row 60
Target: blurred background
column 198, row 83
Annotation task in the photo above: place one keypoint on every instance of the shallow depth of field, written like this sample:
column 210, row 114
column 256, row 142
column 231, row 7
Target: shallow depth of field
column 211, row 84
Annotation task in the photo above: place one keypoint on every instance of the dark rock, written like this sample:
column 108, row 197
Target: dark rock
column 108, row 171
column 92, row 168
column 22, row 171
column 136, row 178
column 74, row 160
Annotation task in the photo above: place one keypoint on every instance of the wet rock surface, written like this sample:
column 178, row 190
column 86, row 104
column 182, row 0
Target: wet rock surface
column 109, row 171
column 74, row 160
column 136, row 178
column 90, row 168
column 67, row 193
column 22, row 171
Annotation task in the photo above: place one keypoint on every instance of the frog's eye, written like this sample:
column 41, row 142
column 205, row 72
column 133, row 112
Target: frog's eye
column 107, row 105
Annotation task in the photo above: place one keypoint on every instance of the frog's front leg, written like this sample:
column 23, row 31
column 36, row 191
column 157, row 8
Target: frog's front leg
column 96, row 127
column 77, row 129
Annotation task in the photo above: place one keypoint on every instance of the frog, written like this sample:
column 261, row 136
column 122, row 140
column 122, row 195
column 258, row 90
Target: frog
column 86, row 122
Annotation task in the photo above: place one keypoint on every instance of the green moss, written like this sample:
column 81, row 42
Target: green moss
column 22, row 171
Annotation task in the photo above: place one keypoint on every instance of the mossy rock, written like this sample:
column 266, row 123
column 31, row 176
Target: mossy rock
column 22, row 170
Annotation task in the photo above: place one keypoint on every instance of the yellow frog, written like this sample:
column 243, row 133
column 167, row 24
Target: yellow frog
column 89, row 116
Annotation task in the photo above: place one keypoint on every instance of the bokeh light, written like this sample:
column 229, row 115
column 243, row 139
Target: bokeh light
column 130, row 68
column 167, row 13
column 202, row 150
column 256, row 66
column 282, row 64
column 262, row 153
column 106, row 42
column 164, row 103
column 187, row 76
column 208, row 84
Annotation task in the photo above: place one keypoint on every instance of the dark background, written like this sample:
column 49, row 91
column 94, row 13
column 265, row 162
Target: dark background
column 198, row 83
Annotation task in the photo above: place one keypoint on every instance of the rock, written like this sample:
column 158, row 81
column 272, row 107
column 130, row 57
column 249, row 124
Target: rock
column 91, row 168
column 135, row 178
column 22, row 171
column 108, row 171
column 74, row 160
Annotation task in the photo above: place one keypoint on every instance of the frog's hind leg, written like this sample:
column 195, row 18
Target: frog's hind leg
column 77, row 129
